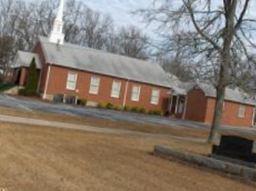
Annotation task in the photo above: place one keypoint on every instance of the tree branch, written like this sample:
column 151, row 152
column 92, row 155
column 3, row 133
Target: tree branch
column 199, row 30
column 240, row 19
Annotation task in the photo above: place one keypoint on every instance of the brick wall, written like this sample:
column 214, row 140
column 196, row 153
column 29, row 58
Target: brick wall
column 196, row 105
column 230, row 113
column 23, row 76
column 38, row 49
column 58, row 79
column 201, row 108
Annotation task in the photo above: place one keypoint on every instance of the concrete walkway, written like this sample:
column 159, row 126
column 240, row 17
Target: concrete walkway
column 92, row 129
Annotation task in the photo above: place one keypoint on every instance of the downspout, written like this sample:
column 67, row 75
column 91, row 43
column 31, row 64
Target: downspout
column 125, row 93
column 47, row 81
column 253, row 116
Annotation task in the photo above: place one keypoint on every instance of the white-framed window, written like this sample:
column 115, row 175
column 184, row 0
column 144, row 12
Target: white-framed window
column 71, row 81
column 241, row 111
column 94, row 85
column 116, row 88
column 135, row 93
column 155, row 97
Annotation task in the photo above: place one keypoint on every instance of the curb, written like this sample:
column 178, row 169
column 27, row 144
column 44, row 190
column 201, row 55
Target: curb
column 245, row 172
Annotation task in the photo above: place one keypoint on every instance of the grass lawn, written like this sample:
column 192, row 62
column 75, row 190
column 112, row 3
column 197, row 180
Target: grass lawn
column 35, row 158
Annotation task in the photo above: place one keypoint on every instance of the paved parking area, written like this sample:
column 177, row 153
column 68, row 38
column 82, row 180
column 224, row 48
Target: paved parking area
column 31, row 104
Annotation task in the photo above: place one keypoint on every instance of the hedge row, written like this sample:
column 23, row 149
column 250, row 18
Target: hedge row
column 129, row 109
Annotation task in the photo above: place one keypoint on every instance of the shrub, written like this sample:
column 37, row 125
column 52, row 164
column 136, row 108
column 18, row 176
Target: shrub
column 100, row 105
column 25, row 92
column 155, row 112
column 118, row 108
column 31, row 86
column 82, row 102
column 109, row 106
column 127, row 108
column 142, row 110
column 135, row 109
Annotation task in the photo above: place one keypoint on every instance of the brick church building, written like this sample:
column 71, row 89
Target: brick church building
column 69, row 73
column 73, row 72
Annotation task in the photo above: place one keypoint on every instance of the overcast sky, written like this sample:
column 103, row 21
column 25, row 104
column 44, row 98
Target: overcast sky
column 120, row 10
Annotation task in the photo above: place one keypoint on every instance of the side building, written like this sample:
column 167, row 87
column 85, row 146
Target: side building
column 197, row 103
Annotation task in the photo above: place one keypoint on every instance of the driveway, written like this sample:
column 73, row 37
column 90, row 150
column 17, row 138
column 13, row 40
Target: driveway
column 31, row 104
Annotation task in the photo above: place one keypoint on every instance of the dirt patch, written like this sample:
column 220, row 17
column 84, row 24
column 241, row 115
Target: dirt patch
column 36, row 158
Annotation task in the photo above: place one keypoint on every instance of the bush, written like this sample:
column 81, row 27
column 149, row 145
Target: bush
column 118, row 108
column 32, row 83
column 101, row 105
column 142, row 110
column 109, row 106
column 82, row 102
column 135, row 109
column 155, row 112
column 25, row 92
column 127, row 108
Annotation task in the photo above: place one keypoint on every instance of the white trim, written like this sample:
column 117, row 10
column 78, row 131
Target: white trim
column 241, row 111
column 75, row 81
column 115, row 94
column 253, row 116
column 47, row 81
column 177, row 104
column 91, row 91
column 158, row 96
column 125, row 93
column 136, row 99
column 185, row 108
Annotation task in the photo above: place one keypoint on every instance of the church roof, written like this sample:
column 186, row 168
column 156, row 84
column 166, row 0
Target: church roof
column 235, row 95
column 98, row 61
column 23, row 59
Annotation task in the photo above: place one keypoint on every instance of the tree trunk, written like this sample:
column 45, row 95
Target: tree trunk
column 218, row 111
column 226, row 59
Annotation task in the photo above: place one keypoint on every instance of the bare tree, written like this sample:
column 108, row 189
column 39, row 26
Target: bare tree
column 6, row 46
column 217, row 34
column 95, row 29
column 177, row 67
column 132, row 42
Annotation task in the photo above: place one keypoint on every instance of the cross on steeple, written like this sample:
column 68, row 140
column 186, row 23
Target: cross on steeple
column 56, row 35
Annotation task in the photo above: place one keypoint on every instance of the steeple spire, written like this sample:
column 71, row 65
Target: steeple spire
column 56, row 35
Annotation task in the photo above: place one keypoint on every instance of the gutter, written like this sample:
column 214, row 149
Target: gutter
column 126, row 92
column 47, row 81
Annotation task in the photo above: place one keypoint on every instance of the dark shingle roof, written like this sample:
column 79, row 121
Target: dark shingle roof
column 77, row 57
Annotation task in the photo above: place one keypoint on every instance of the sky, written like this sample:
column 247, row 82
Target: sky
column 120, row 10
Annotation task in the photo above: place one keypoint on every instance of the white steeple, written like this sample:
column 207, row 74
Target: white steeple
column 56, row 35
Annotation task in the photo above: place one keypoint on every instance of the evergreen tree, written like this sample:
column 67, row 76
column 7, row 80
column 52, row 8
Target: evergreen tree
column 31, row 86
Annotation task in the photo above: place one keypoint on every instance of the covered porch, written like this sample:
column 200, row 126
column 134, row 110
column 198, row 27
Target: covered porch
column 178, row 103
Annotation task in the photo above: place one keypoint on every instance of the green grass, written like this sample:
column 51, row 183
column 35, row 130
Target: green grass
column 4, row 87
